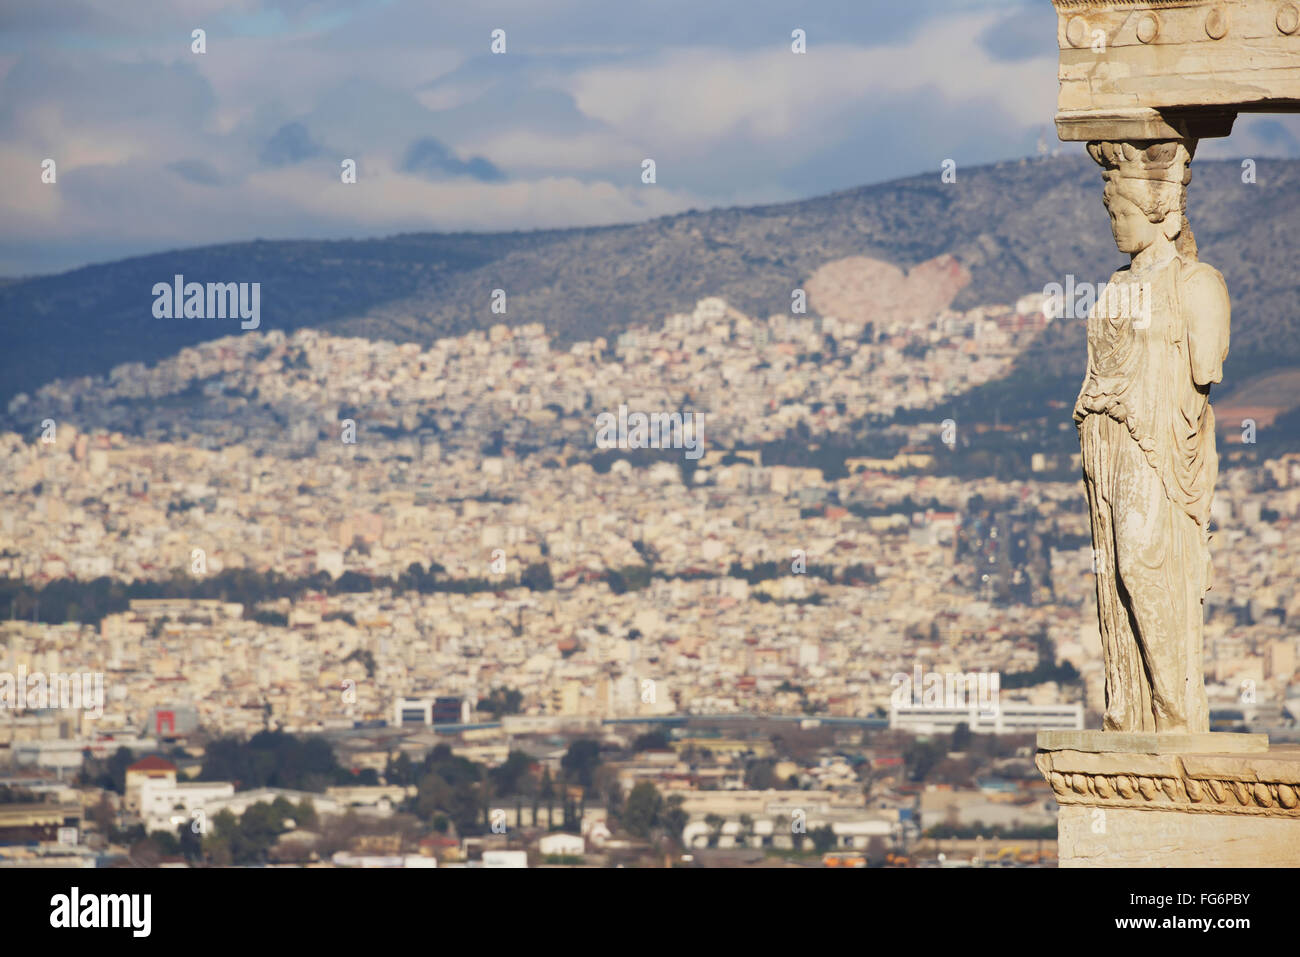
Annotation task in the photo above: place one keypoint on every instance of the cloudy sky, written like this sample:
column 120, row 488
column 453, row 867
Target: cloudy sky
column 158, row 147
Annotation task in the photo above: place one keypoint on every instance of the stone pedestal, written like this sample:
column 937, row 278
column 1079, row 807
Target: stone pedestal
column 1148, row 742
column 1132, row 808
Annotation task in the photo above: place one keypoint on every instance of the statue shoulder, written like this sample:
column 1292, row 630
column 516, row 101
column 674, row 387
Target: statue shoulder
column 1207, row 312
column 1204, row 289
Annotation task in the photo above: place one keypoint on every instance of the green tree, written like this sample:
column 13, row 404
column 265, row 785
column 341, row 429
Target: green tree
column 508, row 777
column 653, row 740
column 761, row 775
column 218, row 844
column 273, row 759
column 823, row 838
column 675, row 818
column 798, row 835
column 920, row 757
column 643, row 809
column 501, row 701
column 122, row 759
column 399, row 770
column 547, row 793
column 166, row 843
column 581, row 761
column 715, row 823
column 259, row 826
column 780, row 825
column 537, row 577
column 189, row 841
column 961, row 737
column 103, row 815
column 453, row 788
column 305, row 816
column 746, row 830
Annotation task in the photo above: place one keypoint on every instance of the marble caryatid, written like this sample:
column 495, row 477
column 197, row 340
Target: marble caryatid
column 1157, row 338
column 1141, row 83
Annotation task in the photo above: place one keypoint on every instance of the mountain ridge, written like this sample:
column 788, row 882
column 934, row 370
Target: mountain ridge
column 1016, row 226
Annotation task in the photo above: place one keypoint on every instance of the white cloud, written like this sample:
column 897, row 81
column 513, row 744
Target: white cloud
column 566, row 119
column 383, row 197
column 534, row 149
column 689, row 100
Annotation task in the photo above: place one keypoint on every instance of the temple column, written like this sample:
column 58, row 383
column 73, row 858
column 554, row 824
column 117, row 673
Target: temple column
column 1141, row 83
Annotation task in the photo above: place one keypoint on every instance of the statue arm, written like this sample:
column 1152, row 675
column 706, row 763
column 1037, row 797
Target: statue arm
column 1208, row 311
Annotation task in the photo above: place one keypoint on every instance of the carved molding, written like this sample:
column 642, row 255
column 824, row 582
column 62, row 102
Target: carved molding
column 1207, row 784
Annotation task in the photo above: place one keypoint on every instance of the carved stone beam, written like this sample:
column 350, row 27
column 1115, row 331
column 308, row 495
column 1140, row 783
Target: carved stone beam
column 1134, row 70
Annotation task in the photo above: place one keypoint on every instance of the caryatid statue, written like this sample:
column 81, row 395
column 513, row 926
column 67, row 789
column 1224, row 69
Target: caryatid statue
column 1157, row 339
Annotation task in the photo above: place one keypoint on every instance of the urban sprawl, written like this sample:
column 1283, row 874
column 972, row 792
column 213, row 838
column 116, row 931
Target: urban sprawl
column 468, row 633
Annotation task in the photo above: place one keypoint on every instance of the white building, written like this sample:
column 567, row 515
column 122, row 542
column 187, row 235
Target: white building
column 505, row 858
column 1005, row 718
column 164, row 806
column 851, row 830
column 562, row 845
column 64, row 753
column 344, row 859
column 413, row 711
column 240, row 801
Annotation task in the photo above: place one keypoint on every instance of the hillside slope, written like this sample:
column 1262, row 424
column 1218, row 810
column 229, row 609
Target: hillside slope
column 1016, row 226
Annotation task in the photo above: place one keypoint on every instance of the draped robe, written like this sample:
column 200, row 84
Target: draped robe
column 1146, row 432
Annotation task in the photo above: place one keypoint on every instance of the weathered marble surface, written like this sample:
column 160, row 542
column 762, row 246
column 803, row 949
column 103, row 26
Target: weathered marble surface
column 1132, row 838
column 1139, row 742
column 1156, row 343
column 1176, row 810
column 1173, row 69
column 1141, row 81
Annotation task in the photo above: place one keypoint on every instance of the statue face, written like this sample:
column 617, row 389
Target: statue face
column 1132, row 230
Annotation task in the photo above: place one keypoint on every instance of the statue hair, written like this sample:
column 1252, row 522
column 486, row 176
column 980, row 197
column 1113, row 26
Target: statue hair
column 1154, row 175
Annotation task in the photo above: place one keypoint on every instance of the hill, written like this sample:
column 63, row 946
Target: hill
column 1014, row 226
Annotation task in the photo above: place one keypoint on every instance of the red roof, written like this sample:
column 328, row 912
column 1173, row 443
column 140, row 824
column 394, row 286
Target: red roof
column 152, row 763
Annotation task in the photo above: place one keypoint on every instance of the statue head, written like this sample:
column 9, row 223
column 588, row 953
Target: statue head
column 1146, row 192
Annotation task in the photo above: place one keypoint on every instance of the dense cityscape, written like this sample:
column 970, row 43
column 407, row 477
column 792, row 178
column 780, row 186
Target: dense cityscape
column 416, row 572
